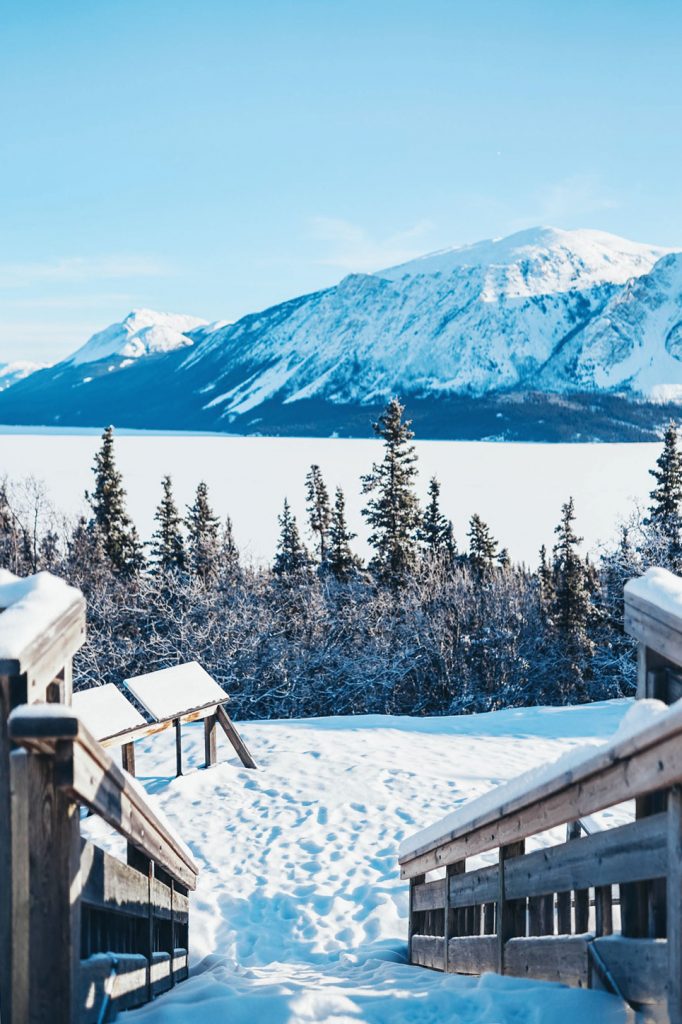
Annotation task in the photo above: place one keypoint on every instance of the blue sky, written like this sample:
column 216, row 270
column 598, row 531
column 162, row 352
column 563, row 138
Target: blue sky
column 216, row 157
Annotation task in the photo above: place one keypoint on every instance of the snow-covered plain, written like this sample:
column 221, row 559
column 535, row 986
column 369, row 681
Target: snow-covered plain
column 300, row 915
column 517, row 488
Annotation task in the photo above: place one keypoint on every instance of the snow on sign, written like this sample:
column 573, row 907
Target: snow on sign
column 173, row 692
column 106, row 712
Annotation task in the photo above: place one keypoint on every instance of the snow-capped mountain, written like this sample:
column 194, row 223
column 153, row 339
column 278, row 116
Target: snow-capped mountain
column 506, row 337
column 10, row 373
column 142, row 333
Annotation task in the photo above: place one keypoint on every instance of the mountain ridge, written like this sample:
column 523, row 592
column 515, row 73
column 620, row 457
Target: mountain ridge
column 544, row 312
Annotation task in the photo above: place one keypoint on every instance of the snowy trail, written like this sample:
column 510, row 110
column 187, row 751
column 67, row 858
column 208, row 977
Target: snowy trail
column 300, row 914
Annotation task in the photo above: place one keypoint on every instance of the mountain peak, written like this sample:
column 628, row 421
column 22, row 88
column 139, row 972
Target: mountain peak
column 557, row 260
column 142, row 332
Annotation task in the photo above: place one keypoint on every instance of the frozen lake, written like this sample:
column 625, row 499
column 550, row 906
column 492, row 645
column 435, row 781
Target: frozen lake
column 517, row 488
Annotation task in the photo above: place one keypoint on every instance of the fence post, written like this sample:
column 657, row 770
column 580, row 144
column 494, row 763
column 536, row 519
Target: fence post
column 412, row 926
column 674, row 905
column 210, row 740
column 46, row 854
column 510, row 913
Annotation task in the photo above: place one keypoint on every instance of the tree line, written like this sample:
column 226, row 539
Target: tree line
column 422, row 628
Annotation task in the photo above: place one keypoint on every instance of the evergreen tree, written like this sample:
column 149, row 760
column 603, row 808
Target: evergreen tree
column 291, row 557
column 87, row 563
column 503, row 559
column 10, row 534
column 108, row 503
column 572, row 606
column 393, row 511
column 229, row 552
column 168, row 546
column 341, row 561
column 482, row 546
column 319, row 511
column 666, row 497
column 546, row 580
column 436, row 533
column 203, row 529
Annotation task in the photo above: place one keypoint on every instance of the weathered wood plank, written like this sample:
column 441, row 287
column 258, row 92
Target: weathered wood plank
column 629, row 853
column 16, row 1009
column 549, row 958
column 128, row 758
column 52, row 849
column 120, row 980
column 510, row 913
column 427, row 951
column 472, row 954
column 161, row 978
column 478, row 886
column 210, row 741
column 415, row 882
column 230, row 730
column 180, row 965
column 674, row 905
column 638, row 966
column 430, row 895
column 109, row 884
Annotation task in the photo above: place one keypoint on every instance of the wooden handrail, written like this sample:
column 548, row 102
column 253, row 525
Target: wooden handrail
column 634, row 766
column 88, row 774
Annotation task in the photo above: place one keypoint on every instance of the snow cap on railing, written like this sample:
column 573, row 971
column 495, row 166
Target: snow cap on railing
column 659, row 587
column 28, row 606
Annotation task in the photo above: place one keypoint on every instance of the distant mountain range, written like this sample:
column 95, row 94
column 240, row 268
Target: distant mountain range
column 543, row 335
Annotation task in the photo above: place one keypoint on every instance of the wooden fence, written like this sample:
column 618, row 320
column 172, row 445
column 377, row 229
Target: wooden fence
column 91, row 933
column 83, row 933
column 598, row 910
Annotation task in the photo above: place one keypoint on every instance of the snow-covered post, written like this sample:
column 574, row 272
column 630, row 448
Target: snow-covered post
column 42, row 625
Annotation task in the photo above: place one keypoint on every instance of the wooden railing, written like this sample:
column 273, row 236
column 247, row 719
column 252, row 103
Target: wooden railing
column 601, row 910
column 91, row 934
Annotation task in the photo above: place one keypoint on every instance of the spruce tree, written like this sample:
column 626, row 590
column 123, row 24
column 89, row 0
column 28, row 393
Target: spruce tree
column 482, row 546
column 319, row 511
column 572, row 608
column 666, row 497
column 108, row 503
column 341, row 561
column 393, row 512
column 229, row 552
column 546, row 581
column 291, row 557
column 168, row 546
column 203, row 528
column 436, row 533
column 10, row 534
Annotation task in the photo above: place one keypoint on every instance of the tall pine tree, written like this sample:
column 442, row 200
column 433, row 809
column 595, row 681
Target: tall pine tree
column 319, row 511
column 393, row 512
column 341, row 561
column 666, row 497
column 436, row 533
column 108, row 503
column 291, row 557
column 572, row 606
column 168, row 546
column 203, row 531
column 482, row 546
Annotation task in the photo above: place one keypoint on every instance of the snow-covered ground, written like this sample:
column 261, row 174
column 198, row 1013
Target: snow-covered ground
column 300, row 915
column 517, row 488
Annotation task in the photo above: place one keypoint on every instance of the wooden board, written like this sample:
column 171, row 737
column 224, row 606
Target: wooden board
column 472, row 954
column 428, row 951
column 172, row 692
column 106, row 712
column 561, row 958
column 638, row 966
